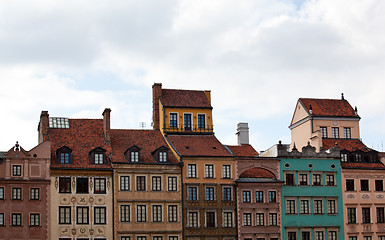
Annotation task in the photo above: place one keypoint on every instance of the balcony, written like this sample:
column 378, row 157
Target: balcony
column 189, row 129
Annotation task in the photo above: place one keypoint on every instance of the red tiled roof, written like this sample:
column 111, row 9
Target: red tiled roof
column 198, row 145
column 83, row 136
column 362, row 165
column 245, row 150
column 147, row 140
column 257, row 173
column 184, row 98
column 329, row 107
column 345, row 144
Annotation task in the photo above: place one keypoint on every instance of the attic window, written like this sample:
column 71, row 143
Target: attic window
column 59, row 123
column 64, row 155
column 133, row 154
column 161, row 154
column 97, row 156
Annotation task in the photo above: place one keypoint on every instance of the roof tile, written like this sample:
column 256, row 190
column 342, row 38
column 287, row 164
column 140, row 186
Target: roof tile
column 184, row 98
column 350, row 145
column 257, row 173
column 329, row 107
column 245, row 150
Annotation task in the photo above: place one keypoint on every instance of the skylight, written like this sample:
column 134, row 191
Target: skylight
column 55, row 122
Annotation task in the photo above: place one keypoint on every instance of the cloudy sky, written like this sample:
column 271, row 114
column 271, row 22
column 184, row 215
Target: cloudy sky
column 76, row 57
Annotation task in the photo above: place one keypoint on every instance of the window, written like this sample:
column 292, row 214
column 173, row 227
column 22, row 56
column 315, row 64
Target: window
column 172, row 213
column 227, row 193
column 272, row 196
column 173, row 120
column 291, row 236
column 64, row 215
column 1, row 193
column 318, row 206
column 100, row 186
column 317, row 179
column 246, row 196
column 192, row 193
column 379, row 185
column 141, row 213
column 381, row 237
column 259, row 196
column 330, row 180
column 156, row 183
column 380, row 215
column 247, row 219
column 303, row 179
column 172, row 184
column 173, row 238
column 364, row 185
column 347, row 133
column 209, row 171
column 332, row 235
column 332, row 207
column 305, row 236
column 162, row 156
column 81, row 185
column 192, row 219
column 192, row 170
column 367, row 237
column 34, row 219
column 201, row 121
column 272, row 219
column 157, row 238
column 16, row 219
column 304, row 206
column 209, row 193
column 187, row 121
column 335, row 132
column 100, row 215
column 16, row 193
column 210, row 219
column 259, row 219
column 290, row 207
column 353, row 238
column 156, row 213
column 324, row 132
column 140, row 183
column 319, row 235
column 34, row 194
column 125, row 213
column 64, row 155
column 16, row 170
column 352, row 215
column 141, row 238
column 365, row 215
column 64, row 185
column 227, row 219
column 226, row 171
column 124, row 183
column 344, row 157
column 349, row 184
column 1, row 219
column 357, row 157
column 134, row 156
column 98, row 158
column 289, row 179
column 82, row 215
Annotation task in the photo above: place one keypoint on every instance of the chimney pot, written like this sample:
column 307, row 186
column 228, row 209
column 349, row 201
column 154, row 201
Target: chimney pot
column 243, row 133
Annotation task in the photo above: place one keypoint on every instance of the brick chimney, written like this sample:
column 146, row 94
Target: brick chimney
column 208, row 95
column 106, row 124
column 43, row 126
column 156, row 93
column 243, row 133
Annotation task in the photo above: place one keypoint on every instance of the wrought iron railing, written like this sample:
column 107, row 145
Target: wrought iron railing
column 181, row 128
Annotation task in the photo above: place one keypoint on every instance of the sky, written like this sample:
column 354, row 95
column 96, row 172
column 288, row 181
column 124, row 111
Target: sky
column 74, row 58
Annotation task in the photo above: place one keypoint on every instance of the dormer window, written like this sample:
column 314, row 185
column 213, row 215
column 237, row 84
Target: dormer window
column 97, row 156
column 161, row 154
column 133, row 154
column 64, row 155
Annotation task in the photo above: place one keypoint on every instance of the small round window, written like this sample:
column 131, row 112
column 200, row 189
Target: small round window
column 333, row 166
column 310, row 165
column 287, row 165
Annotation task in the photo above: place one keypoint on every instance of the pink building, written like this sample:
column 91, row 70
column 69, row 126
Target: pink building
column 24, row 193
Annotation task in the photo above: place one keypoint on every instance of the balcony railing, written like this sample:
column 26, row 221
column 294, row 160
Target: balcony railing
column 189, row 129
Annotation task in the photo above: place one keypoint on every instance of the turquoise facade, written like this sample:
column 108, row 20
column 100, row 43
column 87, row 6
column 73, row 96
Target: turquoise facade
column 322, row 188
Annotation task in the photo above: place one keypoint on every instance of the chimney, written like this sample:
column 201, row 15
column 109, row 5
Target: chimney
column 106, row 124
column 243, row 133
column 208, row 95
column 43, row 126
column 156, row 93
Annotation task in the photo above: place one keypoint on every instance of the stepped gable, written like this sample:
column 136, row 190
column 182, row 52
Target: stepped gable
column 82, row 136
column 198, row 145
column 328, row 107
column 350, row 145
column 184, row 98
column 257, row 173
column 245, row 150
column 147, row 140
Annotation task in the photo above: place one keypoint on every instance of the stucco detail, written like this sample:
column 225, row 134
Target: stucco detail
column 308, row 152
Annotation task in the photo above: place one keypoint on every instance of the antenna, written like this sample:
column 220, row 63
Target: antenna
column 142, row 125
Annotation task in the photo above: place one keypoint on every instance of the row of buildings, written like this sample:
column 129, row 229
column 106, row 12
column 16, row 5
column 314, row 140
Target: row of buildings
column 177, row 181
